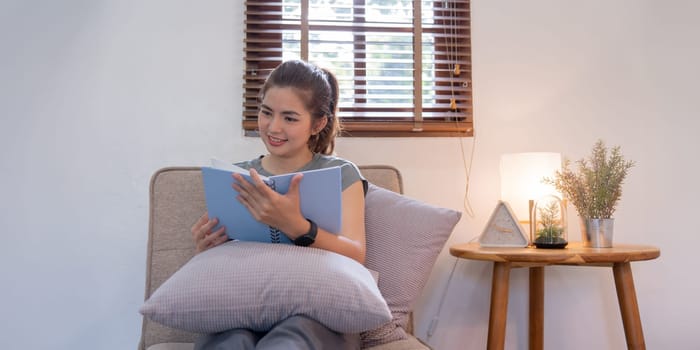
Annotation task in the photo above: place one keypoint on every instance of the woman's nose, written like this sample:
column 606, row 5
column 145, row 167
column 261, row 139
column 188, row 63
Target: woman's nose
column 275, row 123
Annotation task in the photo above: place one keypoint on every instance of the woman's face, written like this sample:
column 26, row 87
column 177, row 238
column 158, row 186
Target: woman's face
column 284, row 123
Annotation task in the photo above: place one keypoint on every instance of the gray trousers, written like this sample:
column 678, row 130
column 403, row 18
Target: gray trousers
column 296, row 332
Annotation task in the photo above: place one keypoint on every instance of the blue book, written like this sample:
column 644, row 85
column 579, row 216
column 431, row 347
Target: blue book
column 320, row 195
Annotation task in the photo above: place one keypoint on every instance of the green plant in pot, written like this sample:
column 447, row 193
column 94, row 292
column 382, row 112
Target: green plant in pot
column 549, row 223
column 594, row 189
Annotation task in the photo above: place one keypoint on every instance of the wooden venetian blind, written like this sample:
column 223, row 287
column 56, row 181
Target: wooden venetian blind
column 404, row 67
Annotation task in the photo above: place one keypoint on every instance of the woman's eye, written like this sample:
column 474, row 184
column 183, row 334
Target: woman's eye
column 290, row 119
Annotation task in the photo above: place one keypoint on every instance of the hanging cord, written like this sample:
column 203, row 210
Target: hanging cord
column 453, row 38
column 468, row 174
column 452, row 56
column 450, row 12
column 454, row 71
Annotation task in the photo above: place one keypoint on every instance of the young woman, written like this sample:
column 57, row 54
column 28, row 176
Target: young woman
column 298, row 124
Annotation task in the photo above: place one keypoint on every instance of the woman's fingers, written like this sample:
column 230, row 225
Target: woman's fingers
column 256, row 186
column 219, row 236
column 210, row 224
column 212, row 239
column 197, row 225
column 255, row 195
column 294, row 186
column 203, row 235
column 260, row 185
column 263, row 203
column 201, row 231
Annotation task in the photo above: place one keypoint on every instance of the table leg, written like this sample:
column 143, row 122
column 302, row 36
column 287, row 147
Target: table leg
column 627, row 297
column 499, row 306
column 536, row 328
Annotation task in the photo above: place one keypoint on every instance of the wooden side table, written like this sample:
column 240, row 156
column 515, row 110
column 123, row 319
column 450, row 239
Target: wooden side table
column 618, row 257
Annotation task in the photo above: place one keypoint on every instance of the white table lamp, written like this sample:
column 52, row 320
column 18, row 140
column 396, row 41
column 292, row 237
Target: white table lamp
column 521, row 180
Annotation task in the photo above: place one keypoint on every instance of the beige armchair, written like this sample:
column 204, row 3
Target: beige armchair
column 177, row 200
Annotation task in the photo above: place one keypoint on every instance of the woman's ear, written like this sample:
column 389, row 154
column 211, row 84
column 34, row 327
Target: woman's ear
column 319, row 125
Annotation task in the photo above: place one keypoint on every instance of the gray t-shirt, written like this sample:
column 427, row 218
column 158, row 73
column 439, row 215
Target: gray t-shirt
column 349, row 171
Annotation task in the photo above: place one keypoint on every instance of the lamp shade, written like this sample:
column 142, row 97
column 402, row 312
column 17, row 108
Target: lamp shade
column 521, row 179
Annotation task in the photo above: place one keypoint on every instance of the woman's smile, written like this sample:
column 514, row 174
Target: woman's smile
column 275, row 141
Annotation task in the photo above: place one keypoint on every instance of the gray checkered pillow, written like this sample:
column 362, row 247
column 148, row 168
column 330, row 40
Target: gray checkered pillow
column 404, row 238
column 254, row 285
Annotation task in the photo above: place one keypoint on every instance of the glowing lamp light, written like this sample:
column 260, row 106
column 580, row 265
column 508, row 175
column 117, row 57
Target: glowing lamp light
column 521, row 179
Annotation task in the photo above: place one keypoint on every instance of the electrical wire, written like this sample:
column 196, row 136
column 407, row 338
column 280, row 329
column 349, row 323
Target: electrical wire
column 436, row 318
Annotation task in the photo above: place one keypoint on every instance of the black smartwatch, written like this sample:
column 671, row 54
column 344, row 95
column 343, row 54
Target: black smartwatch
column 309, row 238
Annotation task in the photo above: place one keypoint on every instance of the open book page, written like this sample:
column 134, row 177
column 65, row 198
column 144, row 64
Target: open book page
column 223, row 165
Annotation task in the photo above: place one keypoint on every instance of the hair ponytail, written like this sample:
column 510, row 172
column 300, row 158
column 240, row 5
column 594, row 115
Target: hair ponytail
column 325, row 142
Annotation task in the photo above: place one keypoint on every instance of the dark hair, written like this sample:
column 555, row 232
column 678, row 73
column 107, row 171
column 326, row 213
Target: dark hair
column 318, row 89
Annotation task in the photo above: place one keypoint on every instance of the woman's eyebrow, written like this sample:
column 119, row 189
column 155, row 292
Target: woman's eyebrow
column 289, row 112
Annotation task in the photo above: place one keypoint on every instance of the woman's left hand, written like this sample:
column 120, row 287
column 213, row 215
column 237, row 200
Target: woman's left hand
column 265, row 205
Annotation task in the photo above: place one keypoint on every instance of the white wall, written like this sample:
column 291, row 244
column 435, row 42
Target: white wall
column 96, row 95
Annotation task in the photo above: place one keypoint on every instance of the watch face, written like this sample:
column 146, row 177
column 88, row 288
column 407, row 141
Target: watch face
column 304, row 241
column 309, row 238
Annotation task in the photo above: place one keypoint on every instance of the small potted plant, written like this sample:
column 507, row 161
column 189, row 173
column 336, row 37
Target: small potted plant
column 549, row 229
column 594, row 189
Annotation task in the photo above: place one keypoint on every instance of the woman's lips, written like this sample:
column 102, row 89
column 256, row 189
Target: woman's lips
column 274, row 141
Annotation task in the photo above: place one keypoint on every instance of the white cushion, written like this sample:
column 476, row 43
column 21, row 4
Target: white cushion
column 254, row 285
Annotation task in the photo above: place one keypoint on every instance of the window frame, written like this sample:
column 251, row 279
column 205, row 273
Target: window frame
column 263, row 52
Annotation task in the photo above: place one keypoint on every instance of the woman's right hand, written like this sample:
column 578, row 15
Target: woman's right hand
column 204, row 237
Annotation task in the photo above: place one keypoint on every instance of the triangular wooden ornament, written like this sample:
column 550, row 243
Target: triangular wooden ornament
column 503, row 229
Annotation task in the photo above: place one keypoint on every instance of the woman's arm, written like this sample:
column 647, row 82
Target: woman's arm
column 351, row 240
